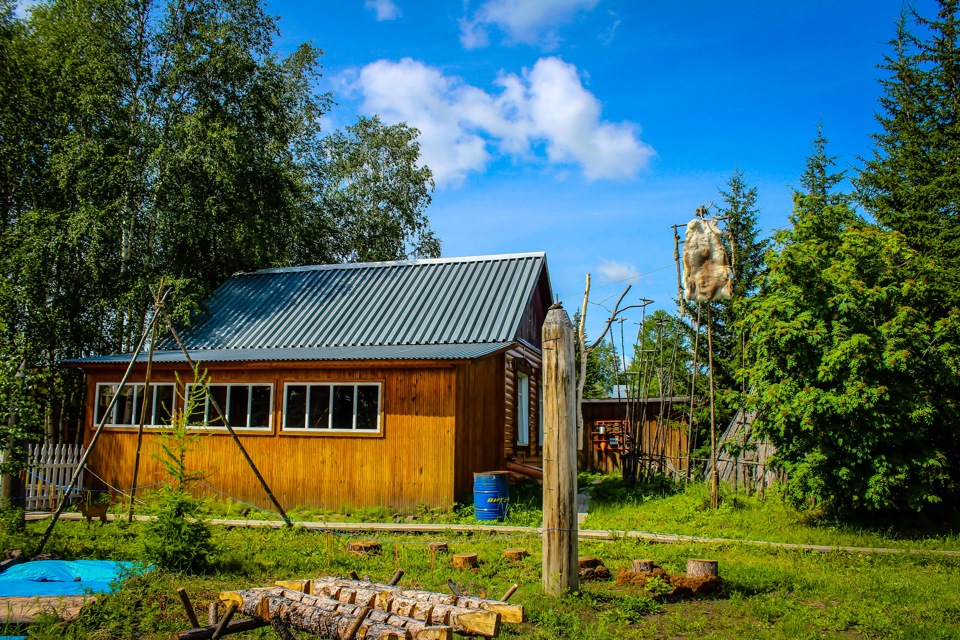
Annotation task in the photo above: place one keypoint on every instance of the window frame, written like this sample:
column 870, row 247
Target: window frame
column 226, row 409
column 329, row 430
column 138, row 389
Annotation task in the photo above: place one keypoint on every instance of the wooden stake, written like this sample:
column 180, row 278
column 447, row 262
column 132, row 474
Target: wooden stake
column 191, row 613
column 560, row 539
column 454, row 589
column 213, row 614
column 510, row 592
column 352, row 630
column 282, row 630
column 715, row 474
column 143, row 419
column 396, row 578
column 328, row 548
column 232, row 609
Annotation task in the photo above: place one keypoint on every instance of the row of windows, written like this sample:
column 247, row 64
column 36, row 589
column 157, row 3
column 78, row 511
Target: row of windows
column 315, row 406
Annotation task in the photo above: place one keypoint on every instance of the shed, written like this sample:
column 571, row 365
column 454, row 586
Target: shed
column 387, row 383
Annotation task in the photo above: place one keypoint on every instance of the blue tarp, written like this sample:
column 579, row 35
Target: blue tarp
column 63, row 577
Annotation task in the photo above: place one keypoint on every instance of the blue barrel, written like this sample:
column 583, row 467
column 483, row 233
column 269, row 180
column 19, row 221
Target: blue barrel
column 491, row 495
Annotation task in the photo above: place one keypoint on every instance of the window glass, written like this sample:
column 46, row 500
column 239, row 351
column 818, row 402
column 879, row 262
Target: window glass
column 163, row 404
column 237, row 411
column 320, row 406
column 368, row 413
column 343, row 407
column 105, row 393
column 125, row 405
column 260, row 406
column 196, row 405
column 523, row 409
column 295, row 416
column 218, row 393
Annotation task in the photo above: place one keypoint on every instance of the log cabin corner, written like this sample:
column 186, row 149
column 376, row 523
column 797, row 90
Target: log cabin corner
column 387, row 383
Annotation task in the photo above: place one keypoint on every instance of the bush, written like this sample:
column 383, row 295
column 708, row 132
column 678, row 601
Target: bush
column 177, row 540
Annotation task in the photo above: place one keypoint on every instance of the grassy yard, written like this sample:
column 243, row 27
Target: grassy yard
column 769, row 593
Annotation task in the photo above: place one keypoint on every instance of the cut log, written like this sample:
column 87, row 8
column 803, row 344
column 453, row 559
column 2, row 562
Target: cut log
column 308, row 608
column 643, row 566
column 438, row 547
column 510, row 613
column 465, row 561
column 515, row 554
column 363, row 547
column 702, row 568
column 588, row 562
column 297, row 585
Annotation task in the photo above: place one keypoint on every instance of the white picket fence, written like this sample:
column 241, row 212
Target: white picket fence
column 49, row 469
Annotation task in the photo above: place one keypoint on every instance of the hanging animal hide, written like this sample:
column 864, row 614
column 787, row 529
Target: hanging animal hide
column 706, row 270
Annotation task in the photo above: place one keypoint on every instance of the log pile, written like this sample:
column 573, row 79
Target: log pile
column 341, row 609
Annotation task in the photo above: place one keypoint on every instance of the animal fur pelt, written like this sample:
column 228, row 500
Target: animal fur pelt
column 706, row 270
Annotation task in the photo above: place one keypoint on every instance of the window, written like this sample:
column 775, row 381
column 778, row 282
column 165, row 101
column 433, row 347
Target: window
column 247, row 406
column 126, row 412
column 523, row 409
column 332, row 407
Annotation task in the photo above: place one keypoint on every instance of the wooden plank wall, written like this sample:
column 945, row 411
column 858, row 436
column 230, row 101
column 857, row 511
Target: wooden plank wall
column 411, row 461
column 674, row 435
column 480, row 422
column 526, row 359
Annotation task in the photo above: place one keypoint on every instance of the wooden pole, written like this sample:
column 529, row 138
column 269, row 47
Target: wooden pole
column 93, row 440
column 223, row 418
column 714, row 474
column 143, row 420
column 188, row 607
column 560, row 539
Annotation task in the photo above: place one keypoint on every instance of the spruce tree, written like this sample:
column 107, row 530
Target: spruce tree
column 911, row 184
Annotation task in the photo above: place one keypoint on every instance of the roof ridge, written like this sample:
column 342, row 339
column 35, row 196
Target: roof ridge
column 397, row 263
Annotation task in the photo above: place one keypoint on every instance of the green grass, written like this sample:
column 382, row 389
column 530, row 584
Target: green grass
column 769, row 593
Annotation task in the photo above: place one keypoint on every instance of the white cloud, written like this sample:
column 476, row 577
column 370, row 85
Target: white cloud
column 525, row 21
column 462, row 127
column 386, row 9
column 613, row 271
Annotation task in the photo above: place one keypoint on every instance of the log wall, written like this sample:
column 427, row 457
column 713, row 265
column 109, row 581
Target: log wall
column 528, row 360
column 480, row 422
column 411, row 460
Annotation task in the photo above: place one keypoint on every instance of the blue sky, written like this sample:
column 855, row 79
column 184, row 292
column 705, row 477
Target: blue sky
column 585, row 128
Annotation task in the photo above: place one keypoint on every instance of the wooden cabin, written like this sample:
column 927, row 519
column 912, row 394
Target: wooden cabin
column 386, row 383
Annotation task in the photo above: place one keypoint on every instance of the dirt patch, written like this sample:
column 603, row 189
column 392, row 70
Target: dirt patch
column 682, row 586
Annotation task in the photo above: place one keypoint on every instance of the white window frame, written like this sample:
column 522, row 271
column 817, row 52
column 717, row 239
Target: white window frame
column 523, row 409
column 208, row 407
column 306, row 428
column 138, row 388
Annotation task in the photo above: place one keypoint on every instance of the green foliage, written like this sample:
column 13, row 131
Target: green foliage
column 855, row 383
column 911, row 184
column 143, row 140
column 178, row 539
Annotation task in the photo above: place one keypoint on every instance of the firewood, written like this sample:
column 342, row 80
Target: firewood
column 298, row 585
column 510, row 613
column 465, row 561
column 363, row 547
column 588, row 562
column 644, row 566
column 702, row 568
column 515, row 554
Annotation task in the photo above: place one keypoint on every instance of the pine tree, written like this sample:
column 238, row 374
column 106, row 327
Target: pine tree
column 854, row 383
column 912, row 182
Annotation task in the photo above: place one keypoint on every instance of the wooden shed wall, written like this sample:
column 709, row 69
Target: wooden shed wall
column 410, row 461
column 672, row 435
column 528, row 360
column 480, row 422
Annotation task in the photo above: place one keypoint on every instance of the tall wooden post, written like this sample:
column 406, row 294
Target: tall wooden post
column 560, row 539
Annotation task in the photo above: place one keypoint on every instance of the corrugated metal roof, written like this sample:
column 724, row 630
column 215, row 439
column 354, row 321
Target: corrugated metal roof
column 439, row 301
column 356, row 311
column 375, row 352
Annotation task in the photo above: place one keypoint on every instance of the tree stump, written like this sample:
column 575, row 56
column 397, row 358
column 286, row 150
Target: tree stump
column 643, row 566
column 515, row 554
column 438, row 547
column 363, row 547
column 702, row 568
column 465, row 561
column 589, row 562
